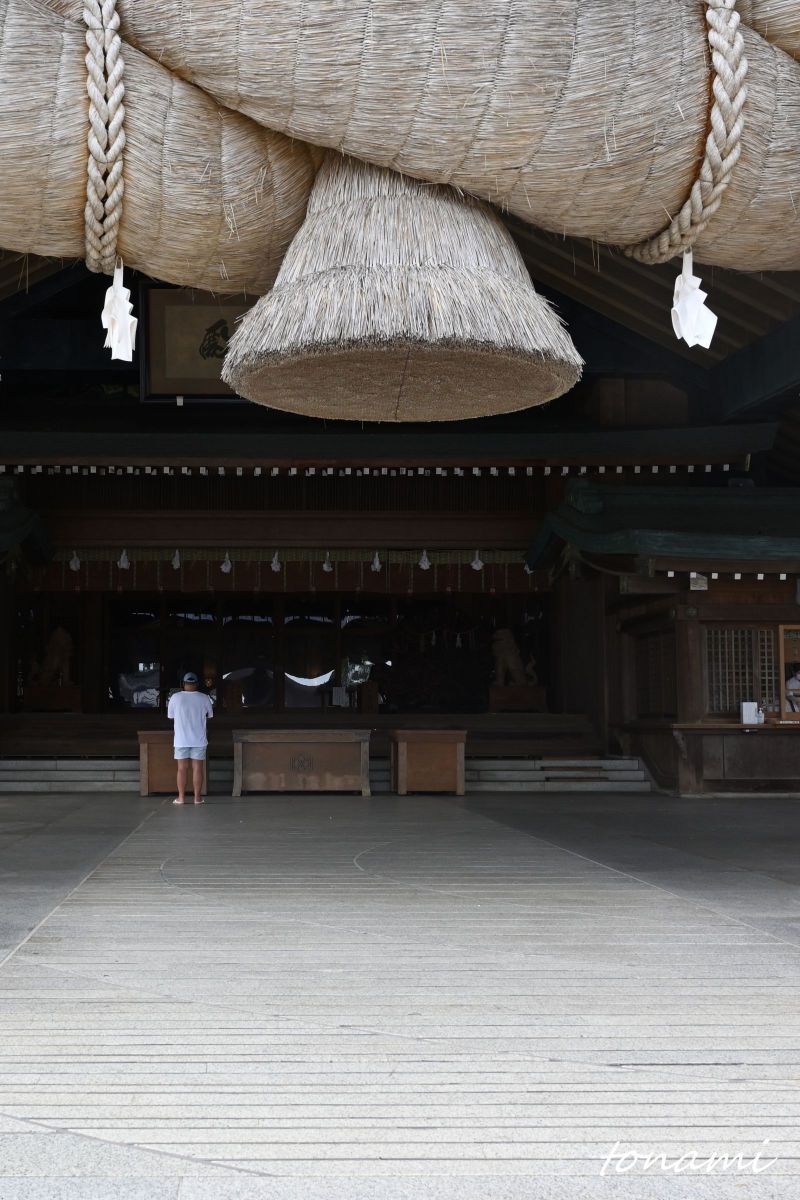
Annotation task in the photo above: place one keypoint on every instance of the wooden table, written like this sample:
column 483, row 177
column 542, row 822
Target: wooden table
column 157, row 765
column 301, row 760
column 428, row 760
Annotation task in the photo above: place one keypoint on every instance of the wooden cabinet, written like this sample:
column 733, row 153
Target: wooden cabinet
column 428, row 760
column 301, row 760
column 157, row 766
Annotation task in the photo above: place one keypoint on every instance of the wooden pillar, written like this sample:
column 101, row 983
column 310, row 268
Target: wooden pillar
column 7, row 637
column 605, row 632
column 626, row 649
column 689, row 665
column 279, row 656
column 90, row 670
column 619, row 665
column 691, row 777
column 580, row 632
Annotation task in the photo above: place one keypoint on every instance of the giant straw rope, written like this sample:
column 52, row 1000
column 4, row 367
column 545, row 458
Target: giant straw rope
column 588, row 118
column 105, row 185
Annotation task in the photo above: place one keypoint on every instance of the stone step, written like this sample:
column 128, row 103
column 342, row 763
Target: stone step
column 503, row 773
column 599, row 786
column 585, row 773
column 521, row 775
column 614, row 764
column 595, row 785
column 610, row 764
column 617, row 764
column 67, row 786
column 55, row 764
column 505, row 785
column 70, row 776
column 483, row 764
column 104, row 787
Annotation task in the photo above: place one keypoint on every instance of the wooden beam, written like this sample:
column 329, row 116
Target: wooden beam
column 747, row 614
column 642, row 305
column 57, row 344
column 610, row 347
column 222, row 530
column 757, row 376
column 43, row 289
column 727, row 566
column 307, row 446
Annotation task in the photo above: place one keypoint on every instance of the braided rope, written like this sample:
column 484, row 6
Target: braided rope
column 723, row 144
column 105, row 185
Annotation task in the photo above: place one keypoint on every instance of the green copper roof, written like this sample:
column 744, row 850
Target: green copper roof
column 706, row 523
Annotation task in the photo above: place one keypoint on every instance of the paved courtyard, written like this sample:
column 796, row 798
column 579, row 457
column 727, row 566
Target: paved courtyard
column 349, row 999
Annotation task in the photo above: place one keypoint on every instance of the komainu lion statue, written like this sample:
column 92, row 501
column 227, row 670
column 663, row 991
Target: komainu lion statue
column 508, row 665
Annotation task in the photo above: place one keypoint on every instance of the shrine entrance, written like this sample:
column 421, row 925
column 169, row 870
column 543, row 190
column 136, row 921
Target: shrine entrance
column 271, row 654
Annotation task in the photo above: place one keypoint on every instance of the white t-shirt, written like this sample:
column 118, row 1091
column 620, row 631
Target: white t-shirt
column 189, row 711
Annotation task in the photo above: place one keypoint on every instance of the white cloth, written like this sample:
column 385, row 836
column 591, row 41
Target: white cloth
column 189, row 711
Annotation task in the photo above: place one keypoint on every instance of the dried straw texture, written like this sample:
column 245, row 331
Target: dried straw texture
column 211, row 199
column 776, row 20
column 400, row 301
column 586, row 117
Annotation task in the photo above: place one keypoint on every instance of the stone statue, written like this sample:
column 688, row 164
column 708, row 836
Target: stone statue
column 508, row 665
column 57, row 655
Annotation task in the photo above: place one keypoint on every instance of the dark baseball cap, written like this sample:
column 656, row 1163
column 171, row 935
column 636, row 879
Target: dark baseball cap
column 190, row 677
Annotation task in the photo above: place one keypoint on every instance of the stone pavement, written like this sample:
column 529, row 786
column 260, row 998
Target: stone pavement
column 390, row 999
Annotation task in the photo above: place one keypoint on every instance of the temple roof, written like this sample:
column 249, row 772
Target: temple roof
column 712, row 524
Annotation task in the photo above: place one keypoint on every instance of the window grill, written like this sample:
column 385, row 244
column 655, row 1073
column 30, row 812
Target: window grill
column 741, row 664
column 769, row 690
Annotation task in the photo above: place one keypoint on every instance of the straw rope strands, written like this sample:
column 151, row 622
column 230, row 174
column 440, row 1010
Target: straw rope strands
column 585, row 117
column 400, row 301
column 212, row 200
column 724, row 142
column 776, row 20
column 105, row 182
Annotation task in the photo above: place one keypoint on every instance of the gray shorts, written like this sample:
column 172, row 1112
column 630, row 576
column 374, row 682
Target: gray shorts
column 196, row 752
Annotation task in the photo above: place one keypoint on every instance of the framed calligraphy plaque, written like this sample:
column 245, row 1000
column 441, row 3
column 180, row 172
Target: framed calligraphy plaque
column 186, row 336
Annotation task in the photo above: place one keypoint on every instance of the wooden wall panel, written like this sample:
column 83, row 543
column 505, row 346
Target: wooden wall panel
column 312, row 529
column 579, row 635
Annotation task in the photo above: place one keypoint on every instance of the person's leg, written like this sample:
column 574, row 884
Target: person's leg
column 183, row 771
column 197, row 780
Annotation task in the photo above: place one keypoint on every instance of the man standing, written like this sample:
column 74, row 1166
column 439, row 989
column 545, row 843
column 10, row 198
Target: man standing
column 190, row 709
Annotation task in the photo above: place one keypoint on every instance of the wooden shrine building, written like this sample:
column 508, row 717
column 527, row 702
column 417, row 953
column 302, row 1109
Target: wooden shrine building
column 614, row 572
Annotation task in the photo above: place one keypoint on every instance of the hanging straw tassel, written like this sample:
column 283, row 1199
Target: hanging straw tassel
column 398, row 301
